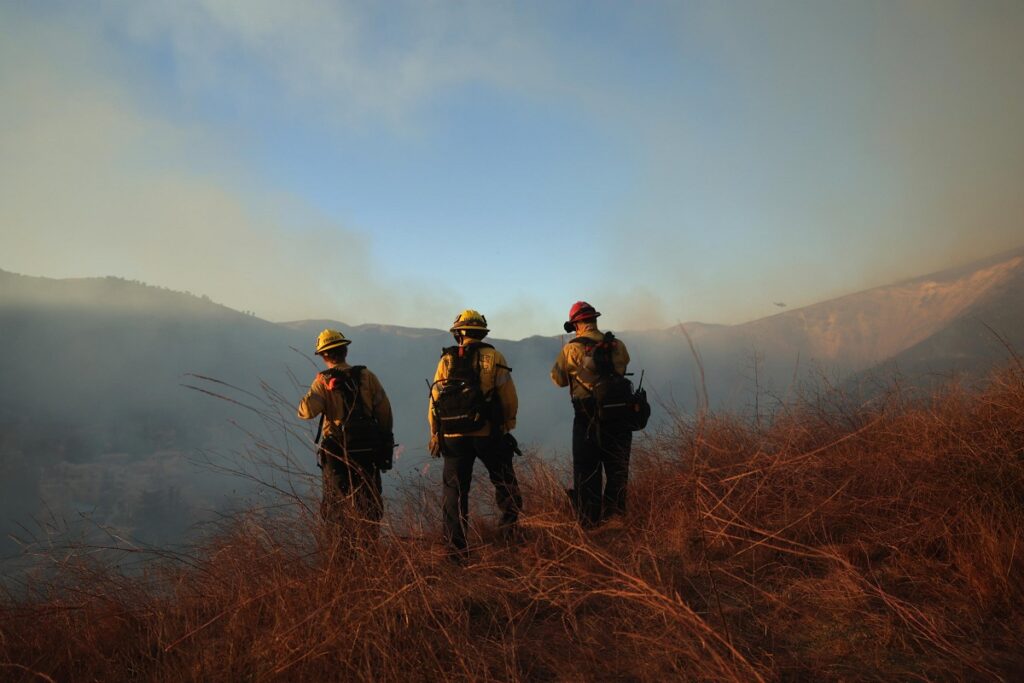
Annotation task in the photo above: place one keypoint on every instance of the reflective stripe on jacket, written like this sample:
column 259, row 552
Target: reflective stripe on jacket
column 331, row 404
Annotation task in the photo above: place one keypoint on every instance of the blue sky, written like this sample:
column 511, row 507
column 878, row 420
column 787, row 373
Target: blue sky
column 397, row 162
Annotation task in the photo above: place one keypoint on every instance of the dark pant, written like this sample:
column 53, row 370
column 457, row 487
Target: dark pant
column 357, row 477
column 460, row 452
column 596, row 445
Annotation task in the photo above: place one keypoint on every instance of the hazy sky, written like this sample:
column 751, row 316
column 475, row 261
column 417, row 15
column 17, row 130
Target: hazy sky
column 397, row 162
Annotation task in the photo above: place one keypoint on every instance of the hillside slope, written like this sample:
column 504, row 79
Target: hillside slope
column 877, row 544
column 94, row 419
column 93, row 414
column 854, row 333
column 858, row 330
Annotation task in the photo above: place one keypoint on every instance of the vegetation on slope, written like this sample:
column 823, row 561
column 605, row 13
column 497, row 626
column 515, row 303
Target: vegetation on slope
column 883, row 542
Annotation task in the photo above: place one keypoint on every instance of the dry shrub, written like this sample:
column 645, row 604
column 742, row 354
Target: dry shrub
column 880, row 542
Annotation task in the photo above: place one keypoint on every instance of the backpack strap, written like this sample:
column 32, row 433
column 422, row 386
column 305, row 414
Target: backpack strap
column 586, row 342
column 459, row 350
column 601, row 351
column 351, row 377
column 606, row 346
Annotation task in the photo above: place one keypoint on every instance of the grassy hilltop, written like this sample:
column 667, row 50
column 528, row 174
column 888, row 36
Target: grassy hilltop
column 882, row 542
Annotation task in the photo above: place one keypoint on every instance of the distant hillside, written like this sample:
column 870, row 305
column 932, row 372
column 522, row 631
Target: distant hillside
column 937, row 320
column 313, row 327
column 94, row 419
column 984, row 334
column 92, row 373
column 112, row 349
column 109, row 294
column 858, row 330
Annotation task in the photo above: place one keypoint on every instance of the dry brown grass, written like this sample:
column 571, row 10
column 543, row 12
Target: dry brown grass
column 878, row 543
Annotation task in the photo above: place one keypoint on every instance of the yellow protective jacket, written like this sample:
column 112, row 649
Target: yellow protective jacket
column 320, row 400
column 574, row 363
column 494, row 375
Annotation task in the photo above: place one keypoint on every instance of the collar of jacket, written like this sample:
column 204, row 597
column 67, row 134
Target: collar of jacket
column 475, row 342
column 595, row 334
column 340, row 366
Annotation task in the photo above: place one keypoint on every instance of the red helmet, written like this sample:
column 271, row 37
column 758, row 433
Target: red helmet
column 580, row 311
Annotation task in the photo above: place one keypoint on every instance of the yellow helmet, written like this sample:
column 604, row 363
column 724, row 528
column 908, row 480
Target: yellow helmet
column 470, row 320
column 330, row 339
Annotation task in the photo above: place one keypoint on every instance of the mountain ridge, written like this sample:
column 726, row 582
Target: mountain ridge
column 94, row 406
column 997, row 265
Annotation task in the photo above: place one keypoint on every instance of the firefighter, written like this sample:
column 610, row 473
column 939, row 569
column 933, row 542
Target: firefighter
column 596, row 444
column 356, row 427
column 472, row 412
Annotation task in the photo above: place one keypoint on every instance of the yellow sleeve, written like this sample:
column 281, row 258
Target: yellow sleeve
column 506, row 389
column 559, row 373
column 440, row 373
column 379, row 401
column 313, row 403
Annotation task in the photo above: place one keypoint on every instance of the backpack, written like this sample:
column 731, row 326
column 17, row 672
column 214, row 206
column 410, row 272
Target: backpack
column 460, row 405
column 612, row 397
column 361, row 435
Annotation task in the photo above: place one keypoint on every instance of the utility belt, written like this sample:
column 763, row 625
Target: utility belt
column 585, row 406
column 591, row 406
column 369, row 449
column 612, row 399
column 505, row 444
column 630, row 412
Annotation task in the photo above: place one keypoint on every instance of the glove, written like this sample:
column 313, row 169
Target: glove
column 511, row 443
column 434, row 447
column 386, row 453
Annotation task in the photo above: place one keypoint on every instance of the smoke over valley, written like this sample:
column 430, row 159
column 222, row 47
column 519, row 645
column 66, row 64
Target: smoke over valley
column 103, row 428
column 803, row 220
